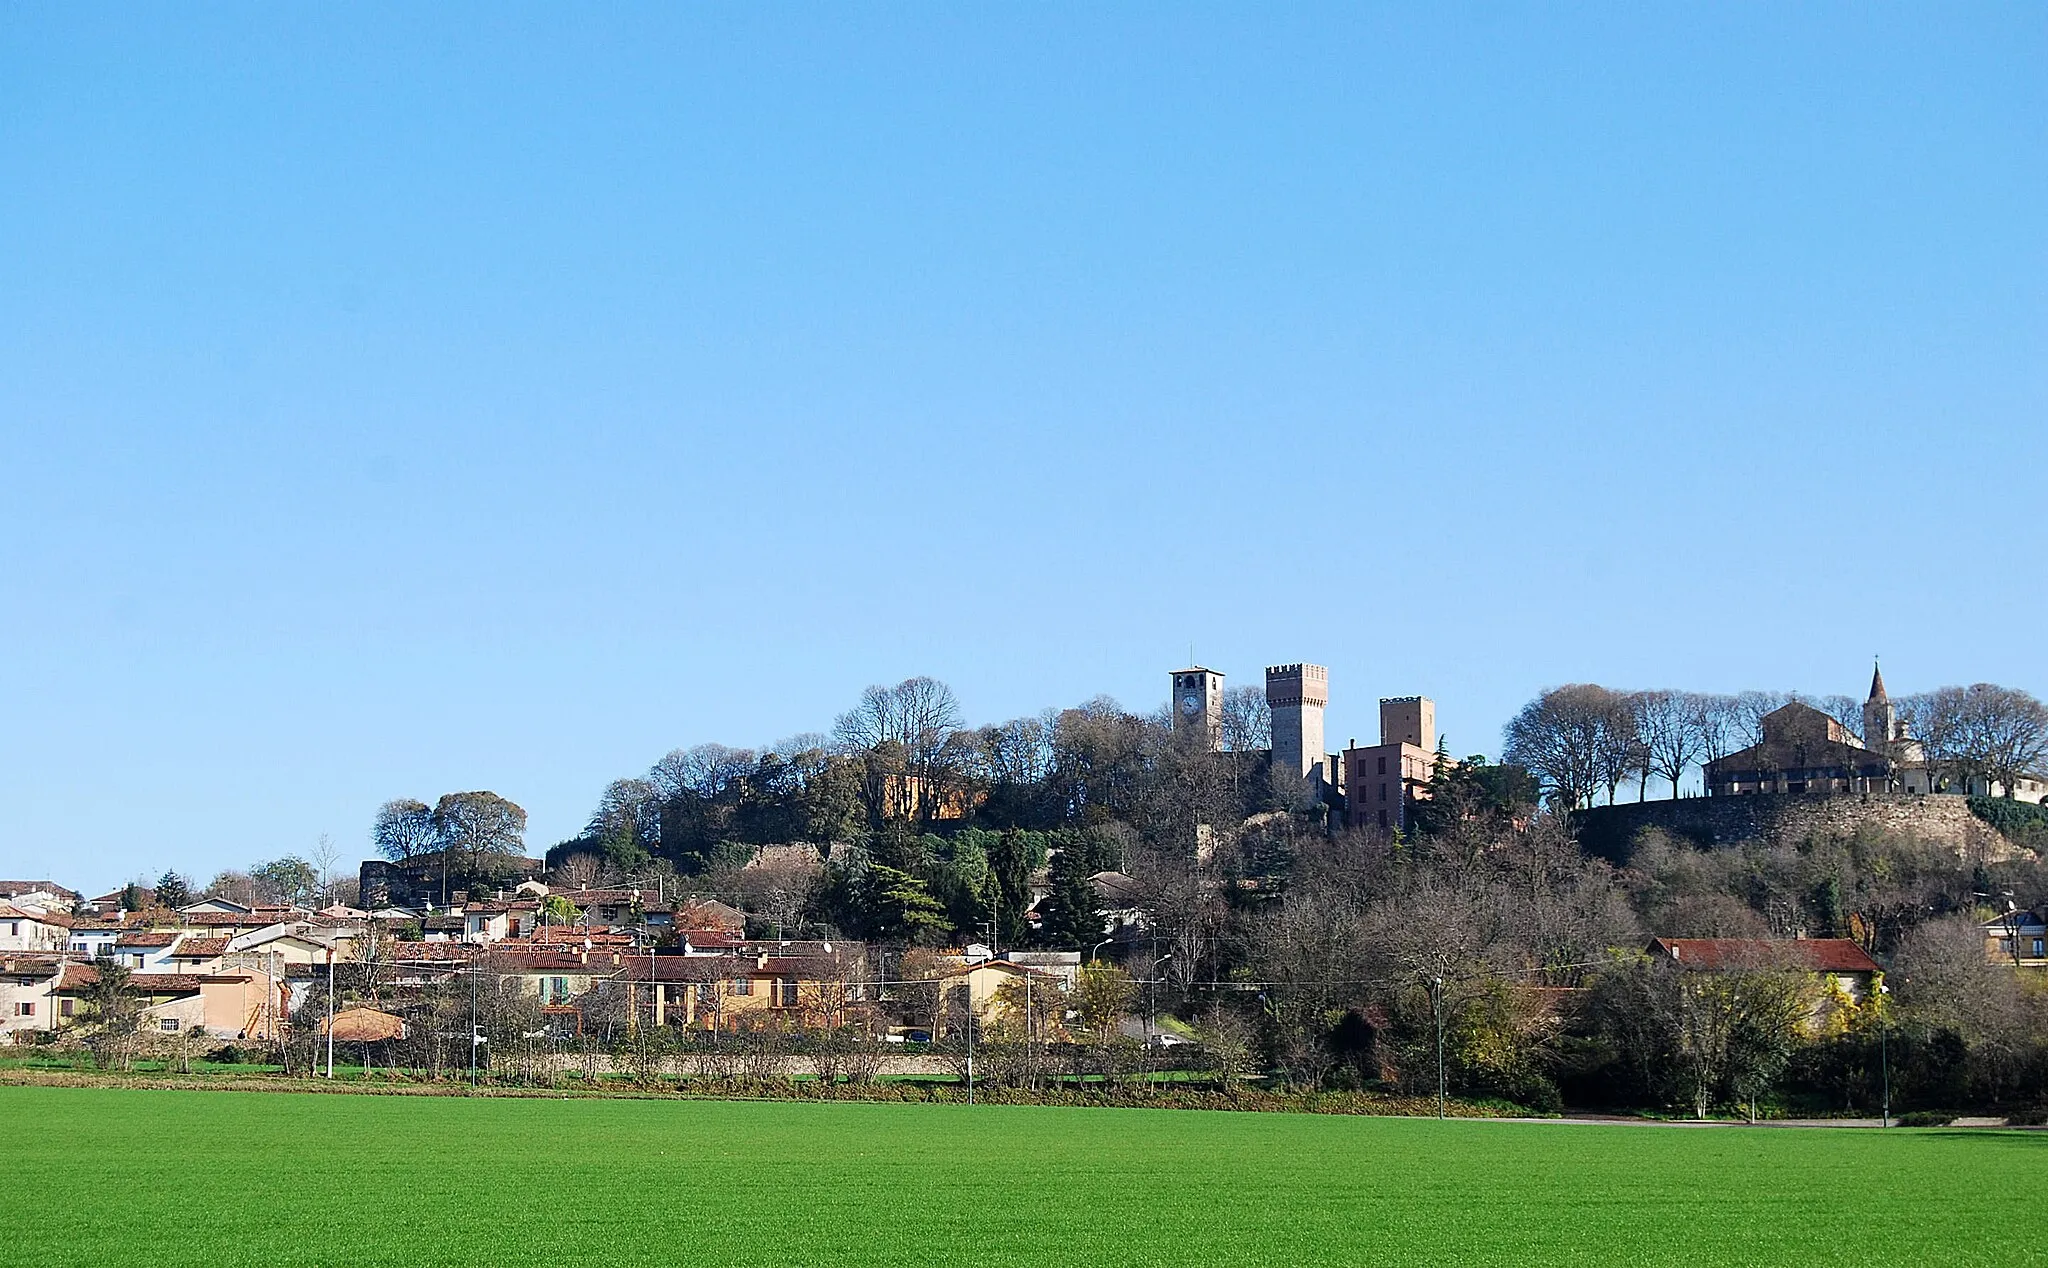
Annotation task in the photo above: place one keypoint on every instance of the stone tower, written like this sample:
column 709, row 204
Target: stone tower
column 1880, row 715
column 1408, row 720
column 1197, row 704
column 1297, row 695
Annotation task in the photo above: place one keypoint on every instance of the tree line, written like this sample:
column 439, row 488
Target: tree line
column 1583, row 739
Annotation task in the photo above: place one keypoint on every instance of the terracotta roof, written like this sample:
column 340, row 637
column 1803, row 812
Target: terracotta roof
column 201, row 948
column 1816, row 955
column 431, row 951
column 545, row 961
column 79, row 976
column 500, row 906
column 28, row 965
column 223, row 919
column 1011, row 965
column 12, row 889
column 8, row 911
column 142, row 938
column 573, row 935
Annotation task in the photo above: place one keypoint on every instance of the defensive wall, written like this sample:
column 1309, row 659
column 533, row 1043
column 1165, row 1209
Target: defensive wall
column 1715, row 822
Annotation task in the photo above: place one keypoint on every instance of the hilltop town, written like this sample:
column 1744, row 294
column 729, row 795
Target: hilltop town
column 1210, row 887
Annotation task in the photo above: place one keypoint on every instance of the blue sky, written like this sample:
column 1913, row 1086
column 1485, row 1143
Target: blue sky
column 395, row 402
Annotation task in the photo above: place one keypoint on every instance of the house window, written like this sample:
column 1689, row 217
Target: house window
column 25, row 1008
column 169, row 1025
column 2005, row 945
column 14, row 928
column 2037, row 948
column 785, row 994
column 1383, row 795
column 743, row 986
column 65, row 1007
column 1383, row 819
column 1383, row 763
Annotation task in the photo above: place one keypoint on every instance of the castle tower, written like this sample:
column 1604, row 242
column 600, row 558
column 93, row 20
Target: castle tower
column 1297, row 695
column 1408, row 720
column 1880, row 715
column 1197, row 704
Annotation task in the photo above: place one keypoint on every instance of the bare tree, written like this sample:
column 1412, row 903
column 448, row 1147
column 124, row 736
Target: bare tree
column 1672, row 727
column 1721, row 727
column 325, row 856
column 1751, row 707
column 1247, row 720
column 1983, row 734
column 1576, row 739
column 1846, row 710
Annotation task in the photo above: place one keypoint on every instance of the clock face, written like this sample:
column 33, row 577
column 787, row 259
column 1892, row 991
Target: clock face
column 1191, row 704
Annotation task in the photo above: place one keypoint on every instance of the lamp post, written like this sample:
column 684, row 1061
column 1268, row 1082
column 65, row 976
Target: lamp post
column 475, row 1039
column 330, row 1012
column 1884, row 1054
column 1437, row 1007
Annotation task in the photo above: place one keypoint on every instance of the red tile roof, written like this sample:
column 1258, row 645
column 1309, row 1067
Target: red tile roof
column 201, row 948
column 11, row 889
column 79, row 976
column 1815, row 955
column 431, row 951
column 141, row 938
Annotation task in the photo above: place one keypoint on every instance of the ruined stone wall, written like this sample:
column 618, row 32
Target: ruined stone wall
column 1710, row 822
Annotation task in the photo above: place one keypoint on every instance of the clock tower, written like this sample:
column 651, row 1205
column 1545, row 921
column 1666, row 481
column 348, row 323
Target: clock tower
column 1197, row 704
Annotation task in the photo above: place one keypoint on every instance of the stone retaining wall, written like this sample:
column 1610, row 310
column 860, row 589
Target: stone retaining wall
column 1709, row 822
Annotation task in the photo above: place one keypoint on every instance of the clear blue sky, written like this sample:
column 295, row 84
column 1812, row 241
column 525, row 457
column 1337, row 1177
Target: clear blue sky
column 395, row 402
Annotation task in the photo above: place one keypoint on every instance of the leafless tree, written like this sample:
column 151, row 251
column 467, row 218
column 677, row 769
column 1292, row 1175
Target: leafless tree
column 1846, row 710
column 1576, row 739
column 1672, row 727
column 1983, row 734
column 1247, row 720
column 1751, row 707
column 1721, row 729
column 704, row 771
column 324, row 856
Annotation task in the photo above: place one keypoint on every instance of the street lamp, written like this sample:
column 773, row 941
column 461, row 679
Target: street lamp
column 1152, row 997
column 1437, row 1007
column 1884, row 1054
column 330, row 1012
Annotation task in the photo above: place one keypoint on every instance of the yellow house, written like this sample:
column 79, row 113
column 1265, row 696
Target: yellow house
column 721, row 992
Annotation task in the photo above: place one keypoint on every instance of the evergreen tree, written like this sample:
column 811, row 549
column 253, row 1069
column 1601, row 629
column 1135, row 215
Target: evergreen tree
column 900, row 906
column 1071, row 916
column 172, row 890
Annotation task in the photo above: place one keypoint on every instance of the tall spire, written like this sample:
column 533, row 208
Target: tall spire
column 1877, row 681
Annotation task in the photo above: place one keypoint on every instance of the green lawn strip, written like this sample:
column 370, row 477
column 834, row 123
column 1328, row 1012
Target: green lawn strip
column 300, row 1179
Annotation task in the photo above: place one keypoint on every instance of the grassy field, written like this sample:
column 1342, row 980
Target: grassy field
column 129, row 1176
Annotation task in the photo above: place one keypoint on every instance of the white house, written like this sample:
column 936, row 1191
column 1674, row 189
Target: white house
column 24, row 930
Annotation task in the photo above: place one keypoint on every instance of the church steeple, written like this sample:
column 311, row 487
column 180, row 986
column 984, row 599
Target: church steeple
column 1880, row 719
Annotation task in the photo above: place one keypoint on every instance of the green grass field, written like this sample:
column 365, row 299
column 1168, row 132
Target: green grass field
column 117, row 1177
